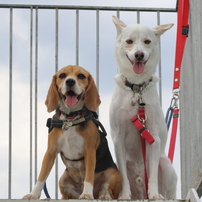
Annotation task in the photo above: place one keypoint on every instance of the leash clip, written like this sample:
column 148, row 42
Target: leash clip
column 143, row 120
column 175, row 99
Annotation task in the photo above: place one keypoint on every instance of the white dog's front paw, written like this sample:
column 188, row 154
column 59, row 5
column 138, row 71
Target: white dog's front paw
column 153, row 191
column 125, row 195
column 30, row 196
column 155, row 196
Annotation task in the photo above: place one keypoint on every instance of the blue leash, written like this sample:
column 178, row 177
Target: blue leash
column 46, row 191
column 169, row 115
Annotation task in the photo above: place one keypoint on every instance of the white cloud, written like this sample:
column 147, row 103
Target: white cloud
column 20, row 25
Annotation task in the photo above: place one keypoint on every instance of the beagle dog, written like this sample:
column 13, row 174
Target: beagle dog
column 74, row 133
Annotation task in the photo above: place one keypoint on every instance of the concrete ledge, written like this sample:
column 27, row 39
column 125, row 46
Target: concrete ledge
column 77, row 200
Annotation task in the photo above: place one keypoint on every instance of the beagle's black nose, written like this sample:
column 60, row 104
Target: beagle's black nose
column 70, row 82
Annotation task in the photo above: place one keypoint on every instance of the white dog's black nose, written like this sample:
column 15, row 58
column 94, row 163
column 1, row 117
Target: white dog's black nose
column 139, row 55
column 70, row 82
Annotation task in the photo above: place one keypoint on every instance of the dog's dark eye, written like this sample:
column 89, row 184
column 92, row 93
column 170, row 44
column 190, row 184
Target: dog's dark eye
column 81, row 76
column 129, row 41
column 62, row 76
column 147, row 41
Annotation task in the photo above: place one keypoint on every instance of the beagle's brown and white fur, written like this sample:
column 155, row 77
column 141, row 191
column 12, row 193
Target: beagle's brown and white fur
column 73, row 93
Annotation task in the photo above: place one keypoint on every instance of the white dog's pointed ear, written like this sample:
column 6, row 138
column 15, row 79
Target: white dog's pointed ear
column 159, row 30
column 119, row 24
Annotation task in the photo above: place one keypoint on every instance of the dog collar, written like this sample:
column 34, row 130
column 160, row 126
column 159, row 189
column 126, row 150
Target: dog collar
column 136, row 88
column 72, row 115
column 121, row 81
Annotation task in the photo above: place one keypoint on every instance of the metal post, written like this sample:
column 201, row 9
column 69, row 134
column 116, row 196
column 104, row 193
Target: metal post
column 77, row 37
column 118, row 14
column 159, row 65
column 97, row 49
column 56, row 39
column 138, row 17
column 10, row 103
column 31, row 42
column 56, row 69
column 97, row 52
column 36, row 90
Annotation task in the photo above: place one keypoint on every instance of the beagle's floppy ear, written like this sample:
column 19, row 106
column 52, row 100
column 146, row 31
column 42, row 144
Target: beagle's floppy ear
column 92, row 98
column 52, row 98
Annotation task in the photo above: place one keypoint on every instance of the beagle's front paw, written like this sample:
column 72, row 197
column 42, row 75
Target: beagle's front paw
column 86, row 196
column 87, row 191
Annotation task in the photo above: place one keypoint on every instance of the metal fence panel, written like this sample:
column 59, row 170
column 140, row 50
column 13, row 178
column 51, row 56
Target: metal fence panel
column 42, row 39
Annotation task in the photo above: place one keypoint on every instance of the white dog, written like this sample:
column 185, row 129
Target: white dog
column 137, row 54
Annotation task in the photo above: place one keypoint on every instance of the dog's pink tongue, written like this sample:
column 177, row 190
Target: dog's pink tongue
column 71, row 100
column 138, row 67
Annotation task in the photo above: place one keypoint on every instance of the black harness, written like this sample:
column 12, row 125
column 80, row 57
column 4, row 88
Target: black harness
column 103, row 156
column 65, row 124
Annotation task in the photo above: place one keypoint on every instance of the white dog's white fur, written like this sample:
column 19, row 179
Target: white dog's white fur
column 137, row 54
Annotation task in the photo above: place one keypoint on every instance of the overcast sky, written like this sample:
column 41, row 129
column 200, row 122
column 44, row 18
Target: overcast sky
column 66, row 55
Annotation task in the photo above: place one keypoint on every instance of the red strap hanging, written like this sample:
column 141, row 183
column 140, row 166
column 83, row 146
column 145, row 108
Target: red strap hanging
column 141, row 128
column 138, row 122
column 182, row 33
column 173, row 136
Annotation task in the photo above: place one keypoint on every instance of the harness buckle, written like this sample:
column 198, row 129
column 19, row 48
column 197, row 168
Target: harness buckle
column 66, row 125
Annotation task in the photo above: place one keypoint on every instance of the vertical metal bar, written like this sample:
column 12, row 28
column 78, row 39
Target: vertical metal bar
column 138, row 17
column 56, row 69
column 118, row 14
column 77, row 37
column 56, row 39
column 159, row 66
column 10, row 103
column 97, row 51
column 36, row 88
column 31, row 42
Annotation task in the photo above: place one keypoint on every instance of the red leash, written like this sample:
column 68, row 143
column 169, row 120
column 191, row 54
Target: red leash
column 182, row 34
column 145, row 135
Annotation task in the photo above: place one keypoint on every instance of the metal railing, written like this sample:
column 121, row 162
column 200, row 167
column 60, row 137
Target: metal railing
column 33, row 58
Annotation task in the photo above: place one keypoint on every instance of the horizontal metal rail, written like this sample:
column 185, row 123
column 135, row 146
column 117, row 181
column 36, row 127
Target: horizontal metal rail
column 106, row 8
